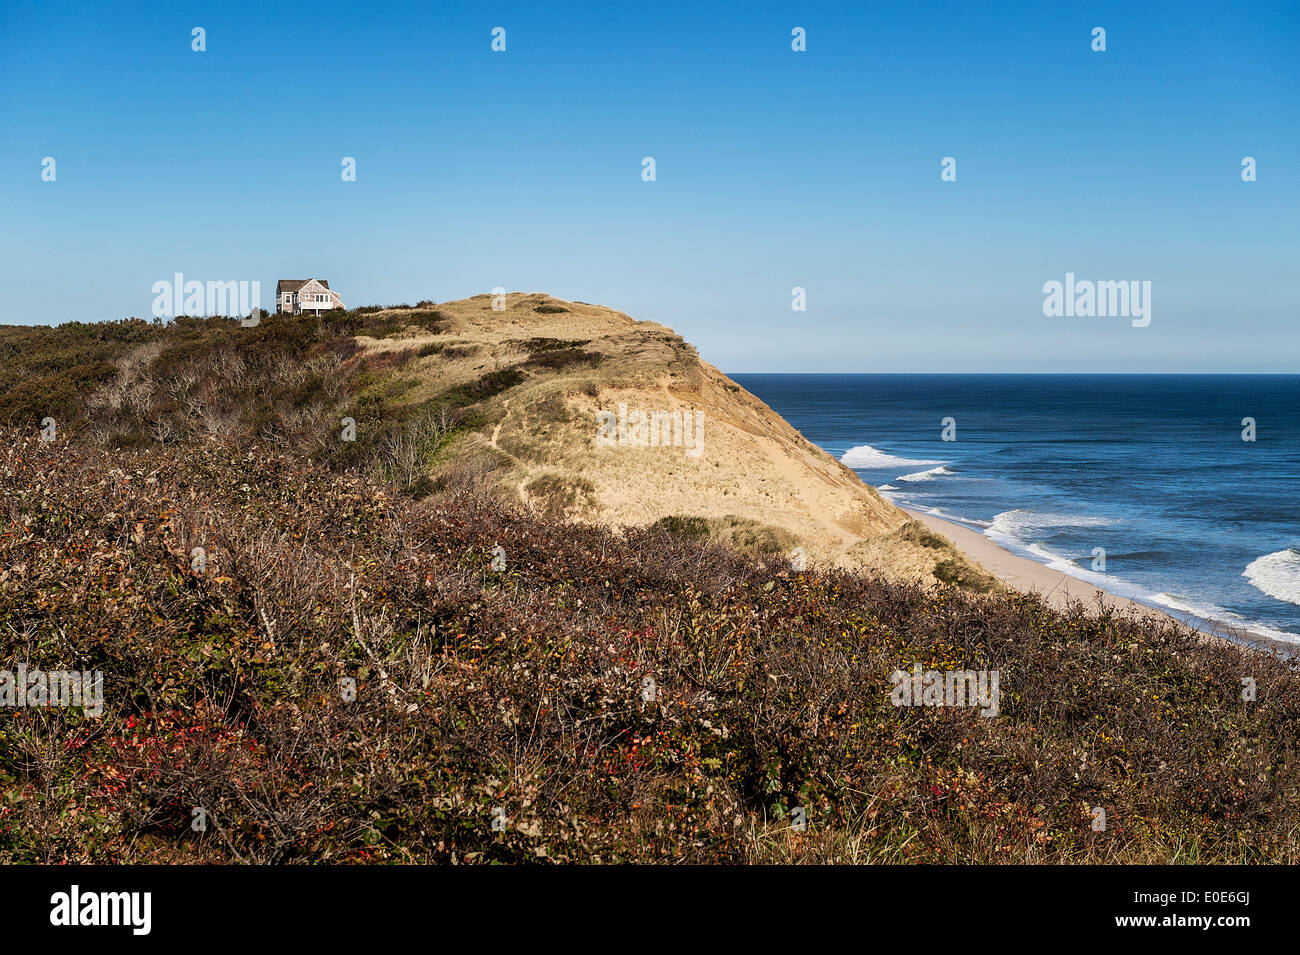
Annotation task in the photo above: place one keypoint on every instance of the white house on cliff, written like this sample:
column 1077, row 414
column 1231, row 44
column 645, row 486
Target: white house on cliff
column 305, row 295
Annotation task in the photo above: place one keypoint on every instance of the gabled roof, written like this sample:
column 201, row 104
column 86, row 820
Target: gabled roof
column 293, row 285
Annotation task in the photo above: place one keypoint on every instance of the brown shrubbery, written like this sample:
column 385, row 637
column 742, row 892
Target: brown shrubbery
column 524, row 690
column 344, row 677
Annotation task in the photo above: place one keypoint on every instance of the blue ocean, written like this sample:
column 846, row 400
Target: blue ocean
column 1144, row 485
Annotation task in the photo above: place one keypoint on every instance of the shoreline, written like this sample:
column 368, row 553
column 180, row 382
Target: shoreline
column 1058, row 589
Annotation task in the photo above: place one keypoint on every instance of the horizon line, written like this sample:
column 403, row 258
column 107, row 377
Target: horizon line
column 1035, row 374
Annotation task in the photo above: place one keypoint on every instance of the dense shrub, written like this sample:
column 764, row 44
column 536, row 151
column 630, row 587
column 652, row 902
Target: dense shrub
column 47, row 371
column 523, row 689
column 487, row 386
column 561, row 358
column 645, row 695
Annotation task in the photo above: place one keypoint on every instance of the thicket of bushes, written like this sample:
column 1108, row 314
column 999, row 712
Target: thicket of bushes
column 348, row 678
column 289, row 382
column 524, row 690
column 45, row 372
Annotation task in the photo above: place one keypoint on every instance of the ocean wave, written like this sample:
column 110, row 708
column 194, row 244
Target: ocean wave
column 1276, row 574
column 886, row 487
column 1069, row 565
column 1137, row 555
column 1207, row 611
column 930, row 475
column 865, row 458
column 1018, row 527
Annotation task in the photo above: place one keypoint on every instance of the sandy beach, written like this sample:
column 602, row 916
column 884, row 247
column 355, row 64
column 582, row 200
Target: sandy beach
column 1060, row 589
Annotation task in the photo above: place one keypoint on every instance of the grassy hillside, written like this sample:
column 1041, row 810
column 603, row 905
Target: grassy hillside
column 457, row 395
column 354, row 672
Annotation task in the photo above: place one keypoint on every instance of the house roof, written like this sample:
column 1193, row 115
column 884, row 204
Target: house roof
column 292, row 285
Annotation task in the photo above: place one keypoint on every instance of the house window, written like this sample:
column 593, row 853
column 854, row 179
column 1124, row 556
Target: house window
column 288, row 297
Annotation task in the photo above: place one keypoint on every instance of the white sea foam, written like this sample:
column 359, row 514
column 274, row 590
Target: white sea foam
column 956, row 518
column 1068, row 565
column 1207, row 611
column 1202, row 612
column 1277, row 574
column 1050, row 558
column 1017, row 528
column 930, row 475
column 865, row 457
column 1220, row 615
column 1259, row 630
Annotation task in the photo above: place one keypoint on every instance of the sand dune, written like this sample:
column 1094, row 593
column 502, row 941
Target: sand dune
column 750, row 481
column 756, row 483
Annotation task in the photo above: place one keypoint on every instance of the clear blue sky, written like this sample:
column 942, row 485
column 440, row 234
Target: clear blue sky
column 775, row 169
